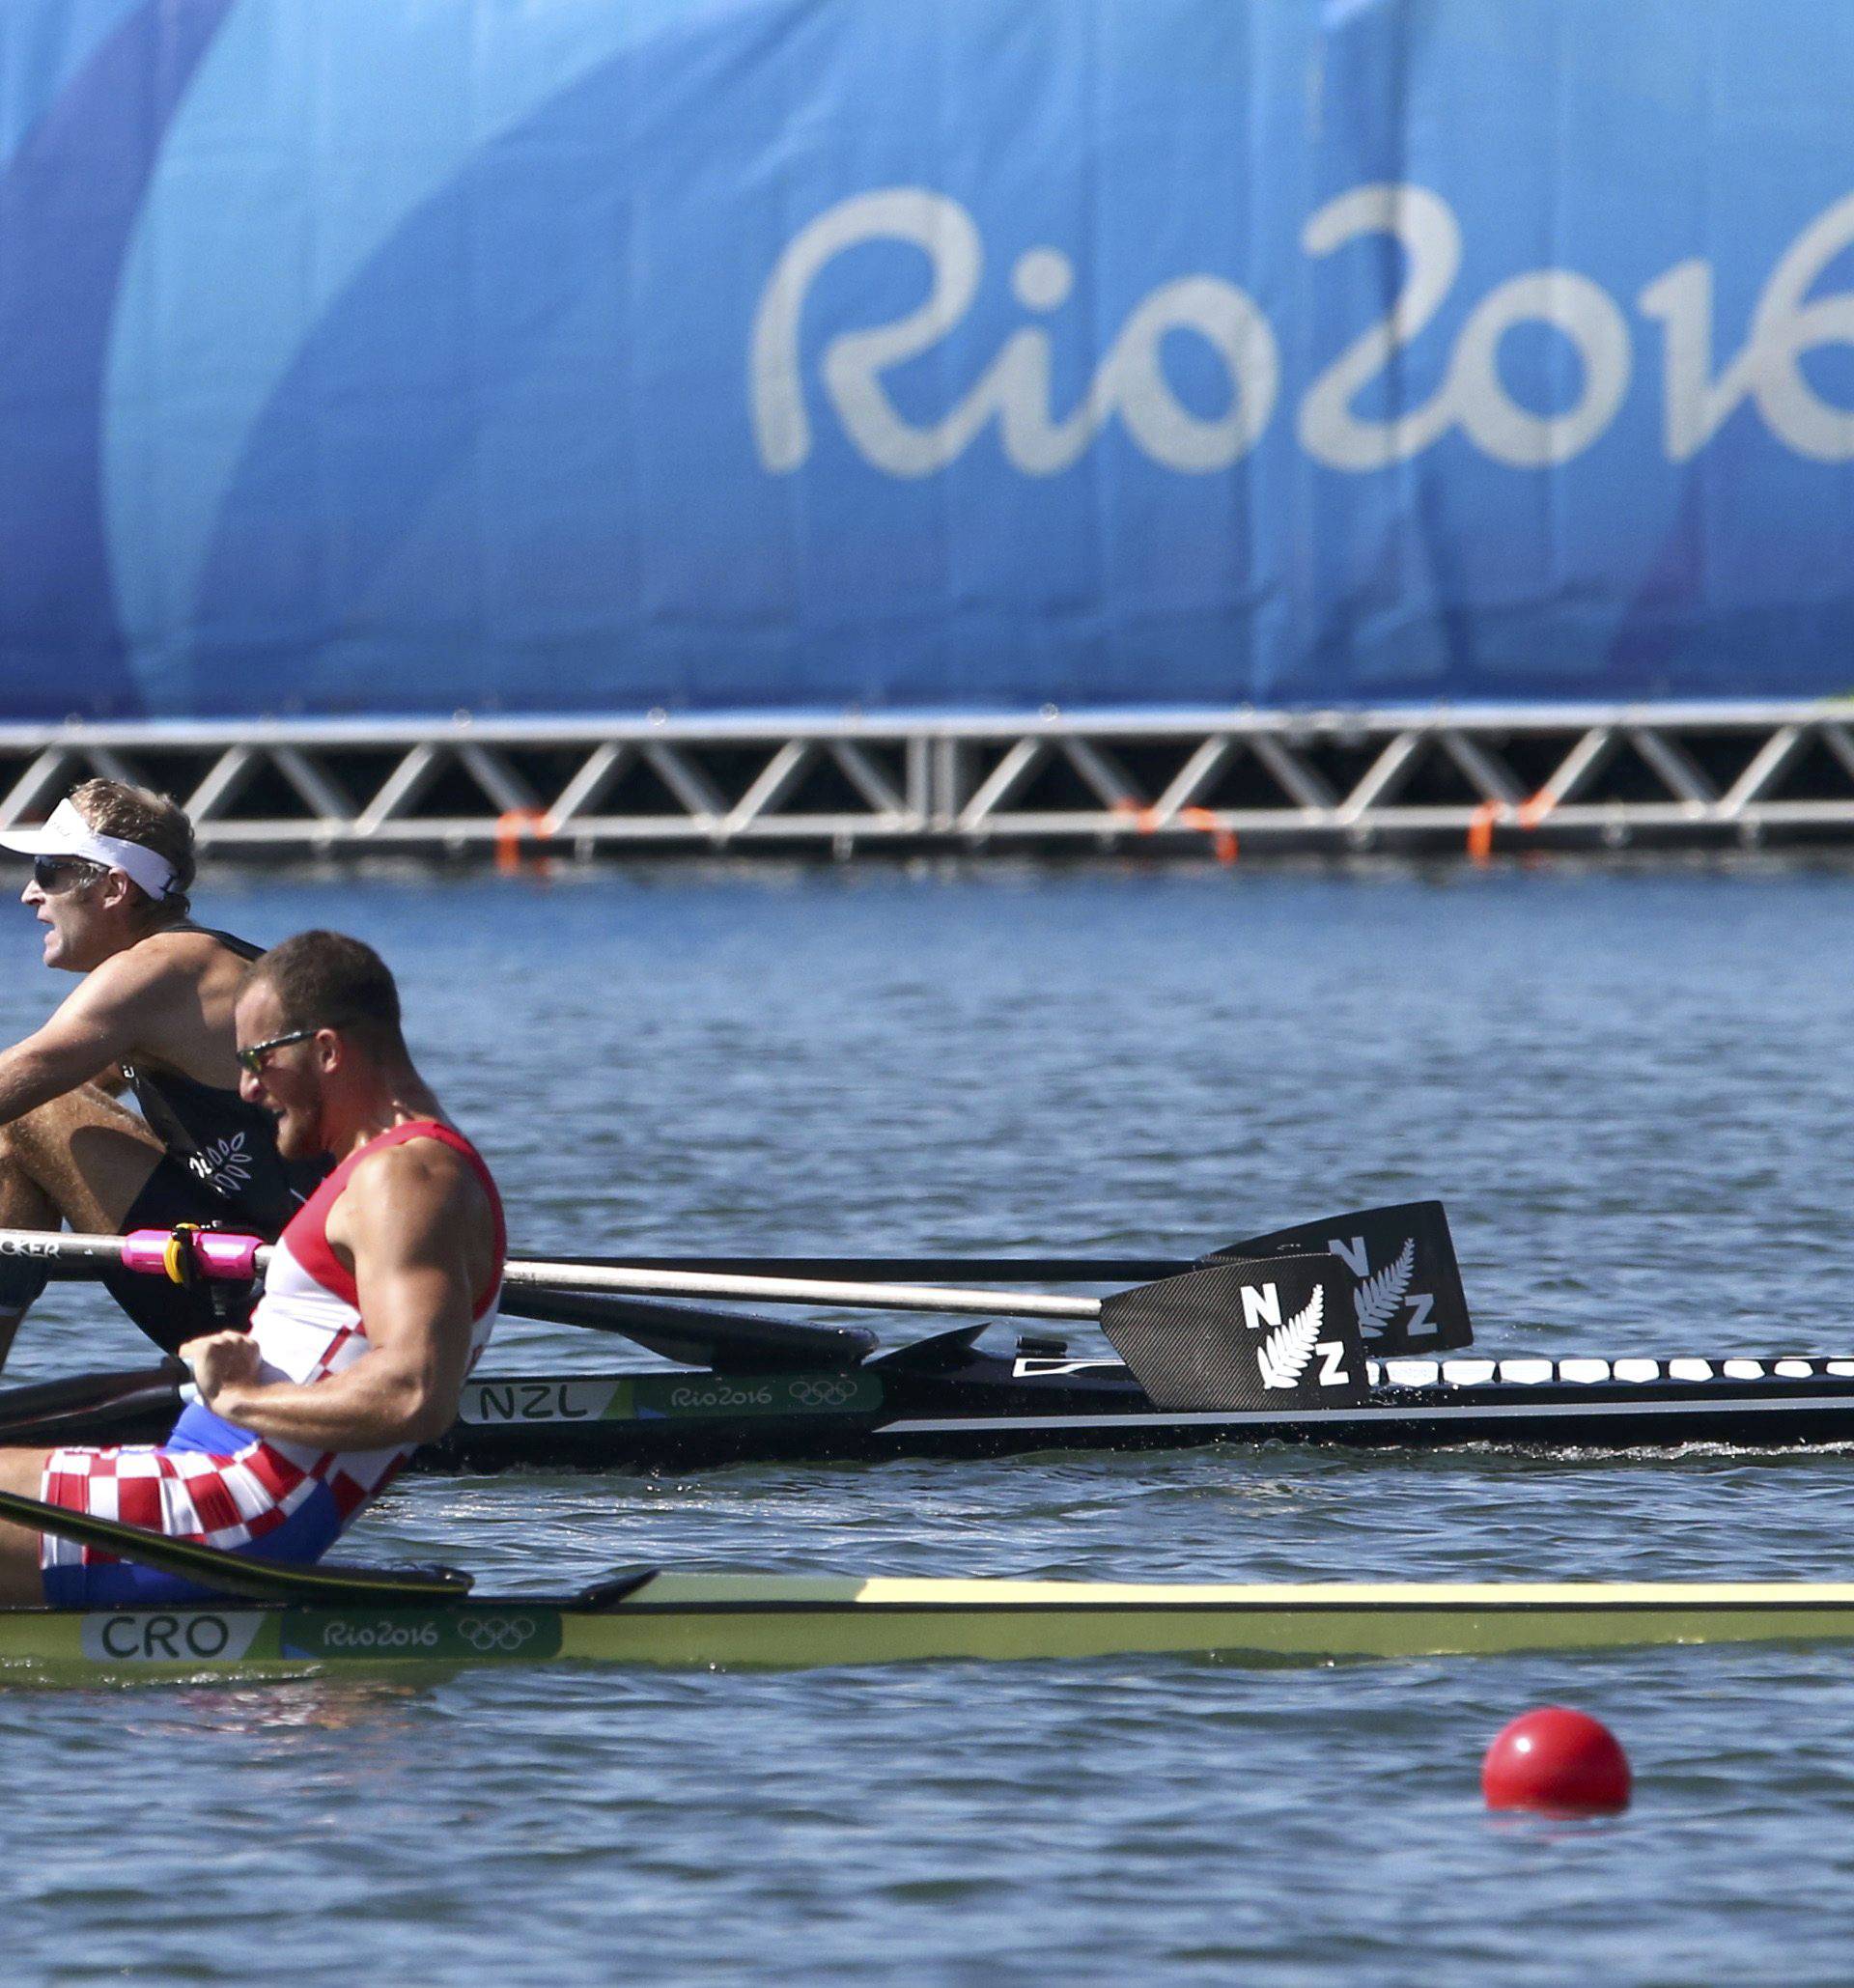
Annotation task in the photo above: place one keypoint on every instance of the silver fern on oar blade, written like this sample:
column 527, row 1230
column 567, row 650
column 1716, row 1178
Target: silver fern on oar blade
column 1377, row 1298
column 1287, row 1349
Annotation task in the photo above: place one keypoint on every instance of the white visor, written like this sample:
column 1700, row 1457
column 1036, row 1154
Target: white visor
column 68, row 834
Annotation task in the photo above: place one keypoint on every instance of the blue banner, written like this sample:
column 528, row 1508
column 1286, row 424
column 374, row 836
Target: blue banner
column 597, row 355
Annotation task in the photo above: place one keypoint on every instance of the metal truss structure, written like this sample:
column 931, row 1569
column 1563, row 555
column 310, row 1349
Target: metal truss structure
column 1483, row 779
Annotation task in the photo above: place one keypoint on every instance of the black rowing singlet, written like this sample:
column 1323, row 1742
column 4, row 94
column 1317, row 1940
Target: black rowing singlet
column 230, row 1147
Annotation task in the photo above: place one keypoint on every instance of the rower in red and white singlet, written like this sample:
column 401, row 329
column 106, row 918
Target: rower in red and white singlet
column 223, row 1486
column 381, row 1294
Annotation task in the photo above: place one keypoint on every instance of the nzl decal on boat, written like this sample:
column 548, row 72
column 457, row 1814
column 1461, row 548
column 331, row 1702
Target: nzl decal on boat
column 163, row 1636
column 647, row 1397
column 537, row 1401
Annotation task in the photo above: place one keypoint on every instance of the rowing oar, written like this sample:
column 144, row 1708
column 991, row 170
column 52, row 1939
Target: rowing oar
column 124, row 1407
column 1367, row 1236
column 1242, row 1334
column 1381, row 1246
column 936, row 1269
column 215, row 1255
column 223, row 1573
column 220, row 1255
column 521, row 1275
column 1191, row 1341
column 729, row 1343
column 1409, row 1296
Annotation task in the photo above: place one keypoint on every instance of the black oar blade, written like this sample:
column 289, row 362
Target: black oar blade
column 138, row 1403
column 222, row 1572
column 1407, row 1295
column 1270, row 1333
column 726, row 1341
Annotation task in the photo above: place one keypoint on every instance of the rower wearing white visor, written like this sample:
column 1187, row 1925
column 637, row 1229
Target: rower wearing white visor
column 152, row 1015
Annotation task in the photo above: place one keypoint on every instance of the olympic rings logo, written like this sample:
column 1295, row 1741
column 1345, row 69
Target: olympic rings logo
column 496, row 1634
column 831, row 1393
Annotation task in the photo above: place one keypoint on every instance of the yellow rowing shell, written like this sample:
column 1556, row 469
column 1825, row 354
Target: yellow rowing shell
column 725, row 1620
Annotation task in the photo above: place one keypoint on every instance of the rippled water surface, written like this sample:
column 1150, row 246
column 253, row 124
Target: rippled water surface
column 1632, row 1090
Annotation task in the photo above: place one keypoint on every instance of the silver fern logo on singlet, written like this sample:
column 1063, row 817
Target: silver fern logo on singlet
column 225, row 1165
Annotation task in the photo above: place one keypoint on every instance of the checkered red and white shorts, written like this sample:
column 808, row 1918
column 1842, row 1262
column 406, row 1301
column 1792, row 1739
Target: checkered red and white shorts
column 252, row 1500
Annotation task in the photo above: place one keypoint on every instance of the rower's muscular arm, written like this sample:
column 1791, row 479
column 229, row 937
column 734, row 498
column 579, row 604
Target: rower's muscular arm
column 407, row 1221
column 96, row 1027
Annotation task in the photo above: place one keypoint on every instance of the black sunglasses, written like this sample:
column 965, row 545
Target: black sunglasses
column 251, row 1060
column 55, row 875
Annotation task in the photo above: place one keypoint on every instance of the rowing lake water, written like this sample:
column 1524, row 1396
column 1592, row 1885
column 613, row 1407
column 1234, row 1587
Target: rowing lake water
column 1632, row 1088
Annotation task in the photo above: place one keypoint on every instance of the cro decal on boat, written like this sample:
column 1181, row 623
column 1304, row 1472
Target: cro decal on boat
column 170, row 1637
column 215, row 1636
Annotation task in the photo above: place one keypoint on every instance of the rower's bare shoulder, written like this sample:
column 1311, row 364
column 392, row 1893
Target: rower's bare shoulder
column 162, row 960
column 154, row 969
column 419, row 1176
column 186, row 949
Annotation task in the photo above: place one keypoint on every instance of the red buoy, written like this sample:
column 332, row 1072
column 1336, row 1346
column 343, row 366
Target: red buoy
column 1558, row 1762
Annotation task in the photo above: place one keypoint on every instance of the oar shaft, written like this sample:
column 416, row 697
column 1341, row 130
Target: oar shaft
column 213, row 1254
column 625, row 1280
column 634, row 1282
column 48, row 1246
column 927, row 1270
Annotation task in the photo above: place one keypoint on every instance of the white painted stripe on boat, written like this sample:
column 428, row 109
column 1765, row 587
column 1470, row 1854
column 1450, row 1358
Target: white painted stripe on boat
column 1463, row 1412
column 1527, row 1373
column 1527, row 1369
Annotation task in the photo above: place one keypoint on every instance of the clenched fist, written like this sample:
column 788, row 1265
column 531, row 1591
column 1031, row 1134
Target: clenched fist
column 221, row 1361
